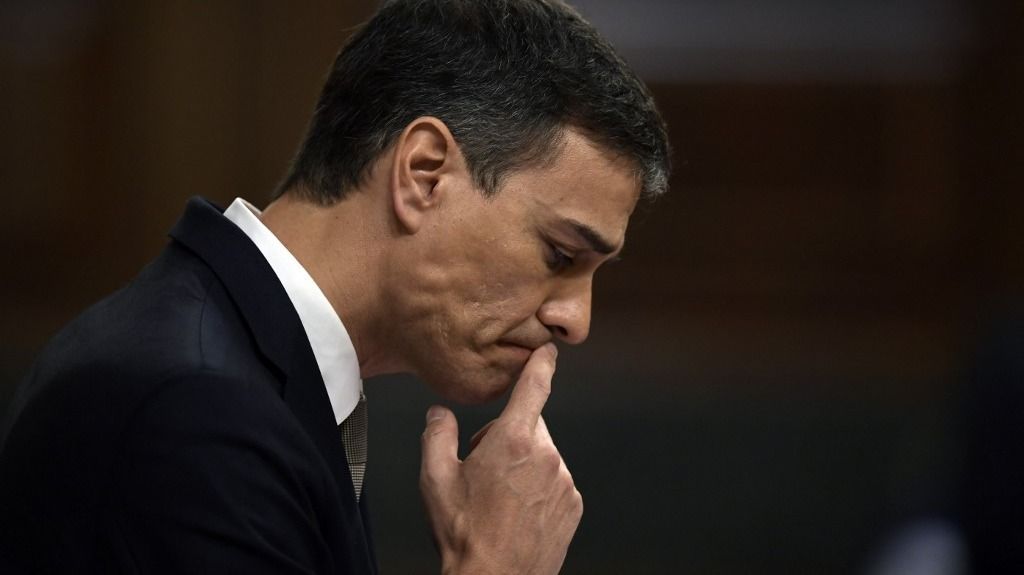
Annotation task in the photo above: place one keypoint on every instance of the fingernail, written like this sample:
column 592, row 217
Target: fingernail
column 434, row 413
column 554, row 350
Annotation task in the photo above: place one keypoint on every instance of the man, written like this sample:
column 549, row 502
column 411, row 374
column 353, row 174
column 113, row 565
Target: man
column 469, row 166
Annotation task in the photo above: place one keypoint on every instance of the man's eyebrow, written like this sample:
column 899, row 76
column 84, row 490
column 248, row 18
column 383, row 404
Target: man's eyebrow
column 595, row 240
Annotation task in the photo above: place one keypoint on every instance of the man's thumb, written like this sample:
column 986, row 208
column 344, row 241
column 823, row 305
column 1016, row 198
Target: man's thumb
column 440, row 444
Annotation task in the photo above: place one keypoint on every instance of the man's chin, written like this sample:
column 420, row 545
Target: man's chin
column 485, row 388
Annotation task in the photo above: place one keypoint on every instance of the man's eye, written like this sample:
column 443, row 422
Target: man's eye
column 558, row 259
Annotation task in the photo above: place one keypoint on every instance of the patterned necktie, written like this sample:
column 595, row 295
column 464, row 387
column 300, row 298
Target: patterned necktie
column 353, row 436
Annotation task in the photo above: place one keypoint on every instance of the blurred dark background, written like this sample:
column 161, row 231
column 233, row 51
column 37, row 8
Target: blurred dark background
column 776, row 370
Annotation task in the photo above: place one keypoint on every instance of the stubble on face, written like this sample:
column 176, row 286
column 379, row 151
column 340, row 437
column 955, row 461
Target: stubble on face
column 477, row 275
column 472, row 292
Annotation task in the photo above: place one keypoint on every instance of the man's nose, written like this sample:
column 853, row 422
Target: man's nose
column 567, row 311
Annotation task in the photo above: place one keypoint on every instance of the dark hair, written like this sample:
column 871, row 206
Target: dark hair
column 505, row 76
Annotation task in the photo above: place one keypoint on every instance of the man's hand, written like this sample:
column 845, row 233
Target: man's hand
column 511, row 506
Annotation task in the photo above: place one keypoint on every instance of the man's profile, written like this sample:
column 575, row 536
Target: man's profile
column 469, row 166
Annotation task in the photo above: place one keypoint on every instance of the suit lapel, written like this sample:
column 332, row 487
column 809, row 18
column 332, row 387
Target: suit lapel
column 278, row 333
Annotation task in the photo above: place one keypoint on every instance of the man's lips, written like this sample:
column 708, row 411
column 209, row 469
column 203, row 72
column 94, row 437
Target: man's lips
column 521, row 350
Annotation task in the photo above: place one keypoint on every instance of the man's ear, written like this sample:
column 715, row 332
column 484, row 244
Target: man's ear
column 424, row 155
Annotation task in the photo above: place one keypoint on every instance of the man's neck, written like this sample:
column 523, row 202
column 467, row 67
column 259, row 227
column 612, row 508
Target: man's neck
column 342, row 247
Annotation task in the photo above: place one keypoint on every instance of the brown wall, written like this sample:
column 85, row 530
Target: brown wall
column 827, row 252
column 135, row 109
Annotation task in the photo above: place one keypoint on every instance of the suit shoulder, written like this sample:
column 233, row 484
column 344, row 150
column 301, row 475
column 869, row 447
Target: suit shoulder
column 126, row 348
column 174, row 317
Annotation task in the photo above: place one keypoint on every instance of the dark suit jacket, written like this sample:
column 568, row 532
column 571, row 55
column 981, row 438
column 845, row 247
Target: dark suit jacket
column 181, row 426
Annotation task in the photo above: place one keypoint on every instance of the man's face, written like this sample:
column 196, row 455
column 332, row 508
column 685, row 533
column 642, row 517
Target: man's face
column 492, row 279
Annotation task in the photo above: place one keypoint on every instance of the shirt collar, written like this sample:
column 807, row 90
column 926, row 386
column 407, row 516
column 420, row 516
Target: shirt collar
column 332, row 347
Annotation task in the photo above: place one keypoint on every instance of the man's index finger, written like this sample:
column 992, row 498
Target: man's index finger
column 531, row 391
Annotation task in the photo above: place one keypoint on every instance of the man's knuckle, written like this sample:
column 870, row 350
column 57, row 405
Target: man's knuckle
column 550, row 459
column 565, row 475
column 430, row 432
column 519, row 444
column 576, row 504
column 429, row 476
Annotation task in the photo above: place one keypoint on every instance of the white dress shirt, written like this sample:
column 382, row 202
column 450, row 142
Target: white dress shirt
column 332, row 347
